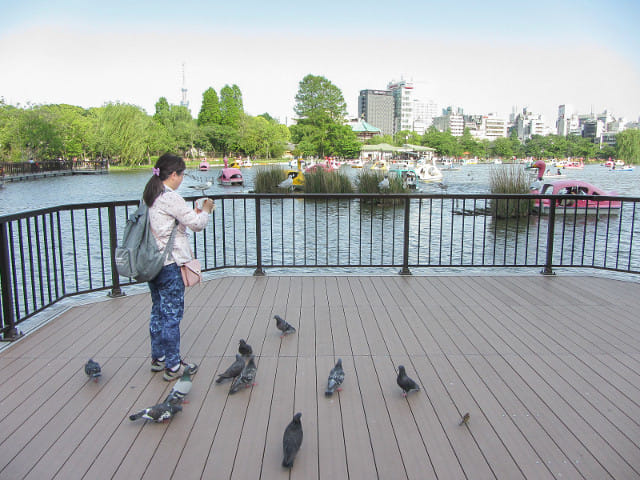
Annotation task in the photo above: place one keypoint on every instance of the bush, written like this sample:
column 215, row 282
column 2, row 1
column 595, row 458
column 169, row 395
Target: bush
column 323, row 181
column 511, row 179
column 268, row 178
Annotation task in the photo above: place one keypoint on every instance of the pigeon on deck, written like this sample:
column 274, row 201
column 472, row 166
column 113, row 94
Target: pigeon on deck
column 285, row 327
column 181, row 388
column 246, row 378
column 158, row 413
column 405, row 382
column 244, row 348
column 336, row 377
column 292, row 440
column 465, row 419
column 92, row 369
column 233, row 371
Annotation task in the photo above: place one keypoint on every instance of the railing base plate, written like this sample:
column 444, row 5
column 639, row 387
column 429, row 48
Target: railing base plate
column 115, row 293
column 405, row 271
column 12, row 335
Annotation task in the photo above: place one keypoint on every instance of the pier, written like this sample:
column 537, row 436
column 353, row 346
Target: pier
column 26, row 171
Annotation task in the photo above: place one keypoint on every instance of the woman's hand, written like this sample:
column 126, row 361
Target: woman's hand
column 208, row 205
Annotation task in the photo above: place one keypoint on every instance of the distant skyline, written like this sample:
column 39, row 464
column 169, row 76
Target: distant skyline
column 484, row 57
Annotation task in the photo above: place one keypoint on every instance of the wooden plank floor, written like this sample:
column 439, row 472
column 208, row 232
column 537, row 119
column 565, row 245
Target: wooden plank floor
column 548, row 367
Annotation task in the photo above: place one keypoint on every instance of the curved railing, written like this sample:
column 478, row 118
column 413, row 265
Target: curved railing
column 53, row 253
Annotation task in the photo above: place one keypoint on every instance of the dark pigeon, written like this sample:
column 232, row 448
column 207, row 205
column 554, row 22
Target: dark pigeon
column 181, row 388
column 158, row 413
column 285, row 327
column 465, row 419
column 336, row 377
column 233, row 371
column 92, row 369
column 405, row 383
column 244, row 348
column 246, row 377
column 292, row 440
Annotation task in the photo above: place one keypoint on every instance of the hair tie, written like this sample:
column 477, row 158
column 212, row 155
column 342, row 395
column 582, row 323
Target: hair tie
column 156, row 171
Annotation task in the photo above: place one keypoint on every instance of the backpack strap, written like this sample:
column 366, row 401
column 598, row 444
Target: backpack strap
column 169, row 248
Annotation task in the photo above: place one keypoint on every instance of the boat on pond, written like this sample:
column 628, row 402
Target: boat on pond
column 428, row 172
column 204, row 166
column 230, row 176
column 582, row 201
column 407, row 175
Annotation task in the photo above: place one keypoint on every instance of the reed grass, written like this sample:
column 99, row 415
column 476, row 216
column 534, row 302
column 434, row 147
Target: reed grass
column 268, row 178
column 322, row 181
column 509, row 179
column 368, row 181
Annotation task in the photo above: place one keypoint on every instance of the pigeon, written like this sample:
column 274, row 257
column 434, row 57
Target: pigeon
column 336, row 377
column 92, row 369
column 233, row 371
column 244, row 348
column 292, row 440
column 181, row 388
column 406, row 384
column 157, row 413
column 384, row 184
column 465, row 419
column 202, row 186
column 246, row 377
column 285, row 327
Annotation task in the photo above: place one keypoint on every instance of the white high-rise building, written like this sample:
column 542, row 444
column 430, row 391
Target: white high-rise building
column 423, row 115
column 402, row 92
column 567, row 123
column 528, row 124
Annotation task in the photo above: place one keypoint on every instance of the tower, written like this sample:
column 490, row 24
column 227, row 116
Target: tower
column 184, row 102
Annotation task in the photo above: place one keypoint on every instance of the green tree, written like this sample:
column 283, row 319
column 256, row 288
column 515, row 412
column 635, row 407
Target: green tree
column 501, row 147
column 628, row 145
column 121, row 133
column 210, row 109
column 317, row 97
column 231, row 109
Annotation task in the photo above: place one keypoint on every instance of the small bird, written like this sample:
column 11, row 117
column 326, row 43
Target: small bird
column 384, row 184
column 465, row 419
column 336, row 377
column 202, row 186
column 286, row 183
column 285, row 327
column 244, row 348
column 405, row 383
column 92, row 369
column 246, row 377
column 291, row 440
column 158, row 413
column 233, row 371
column 181, row 388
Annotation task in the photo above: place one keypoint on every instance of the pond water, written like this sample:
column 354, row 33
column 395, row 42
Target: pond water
column 18, row 197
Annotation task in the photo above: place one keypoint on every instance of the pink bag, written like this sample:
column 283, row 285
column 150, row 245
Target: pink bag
column 191, row 272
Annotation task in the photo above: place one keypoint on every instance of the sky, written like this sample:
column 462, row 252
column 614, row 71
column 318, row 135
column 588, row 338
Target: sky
column 486, row 57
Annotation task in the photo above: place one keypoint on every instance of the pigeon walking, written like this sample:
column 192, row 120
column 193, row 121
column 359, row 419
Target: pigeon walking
column 233, row 371
column 336, row 377
column 92, row 369
column 465, row 419
column 292, row 440
column 244, row 348
column 181, row 388
column 285, row 327
column 406, row 384
column 246, row 378
column 158, row 413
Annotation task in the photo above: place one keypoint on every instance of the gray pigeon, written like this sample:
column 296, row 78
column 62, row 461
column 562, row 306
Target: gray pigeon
column 292, row 440
column 244, row 348
column 285, row 327
column 233, row 371
column 405, row 383
column 181, row 388
column 92, row 369
column 157, row 413
column 336, row 377
column 246, row 377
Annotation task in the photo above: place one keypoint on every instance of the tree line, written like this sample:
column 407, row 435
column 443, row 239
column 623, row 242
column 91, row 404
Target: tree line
column 126, row 134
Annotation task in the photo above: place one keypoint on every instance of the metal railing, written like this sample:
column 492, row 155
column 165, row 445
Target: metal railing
column 53, row 253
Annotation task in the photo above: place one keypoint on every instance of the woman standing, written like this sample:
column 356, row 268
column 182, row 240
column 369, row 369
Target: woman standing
column 166, row 209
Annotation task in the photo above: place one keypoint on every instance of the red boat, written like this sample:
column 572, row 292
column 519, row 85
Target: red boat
column 230, row 176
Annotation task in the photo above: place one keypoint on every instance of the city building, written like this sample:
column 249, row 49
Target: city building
column 423, row 115
column 451, row 120
column 376, row 107
column 567, row 123
column 528, row 124
column 485, row 127
column 402, row 92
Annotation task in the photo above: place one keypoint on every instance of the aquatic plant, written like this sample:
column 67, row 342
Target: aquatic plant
column 509, row 179
column 323, row 181
column 268, row 178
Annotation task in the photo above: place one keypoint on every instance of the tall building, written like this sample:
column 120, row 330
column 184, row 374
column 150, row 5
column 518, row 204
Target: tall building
column 402, row 92
column 528, row 124
column 423, row 115
column 376, row 107
column 567, row 122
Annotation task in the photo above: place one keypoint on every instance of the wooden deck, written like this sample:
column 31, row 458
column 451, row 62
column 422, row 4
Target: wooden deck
column 548, row 367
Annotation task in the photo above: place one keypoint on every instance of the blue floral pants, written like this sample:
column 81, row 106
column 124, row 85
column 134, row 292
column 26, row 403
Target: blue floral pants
column 167, row 296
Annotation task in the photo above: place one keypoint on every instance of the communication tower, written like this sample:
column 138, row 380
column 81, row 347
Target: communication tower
column 184, row 102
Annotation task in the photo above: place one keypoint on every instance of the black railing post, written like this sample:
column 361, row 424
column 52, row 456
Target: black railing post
column 405, row 247
column 8, row 314
column 116, row 291
column 259, row 272
column 547, row 270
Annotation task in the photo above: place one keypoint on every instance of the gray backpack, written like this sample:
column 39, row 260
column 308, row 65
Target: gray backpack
column 139, row 256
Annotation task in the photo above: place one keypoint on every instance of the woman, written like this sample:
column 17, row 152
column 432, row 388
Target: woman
column 166, row 208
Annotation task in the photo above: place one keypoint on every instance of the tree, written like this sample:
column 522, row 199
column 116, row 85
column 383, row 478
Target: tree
column 628, row 145
column 501, row 147
column 231, row 109
column 318, row 97
column 210, row 109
